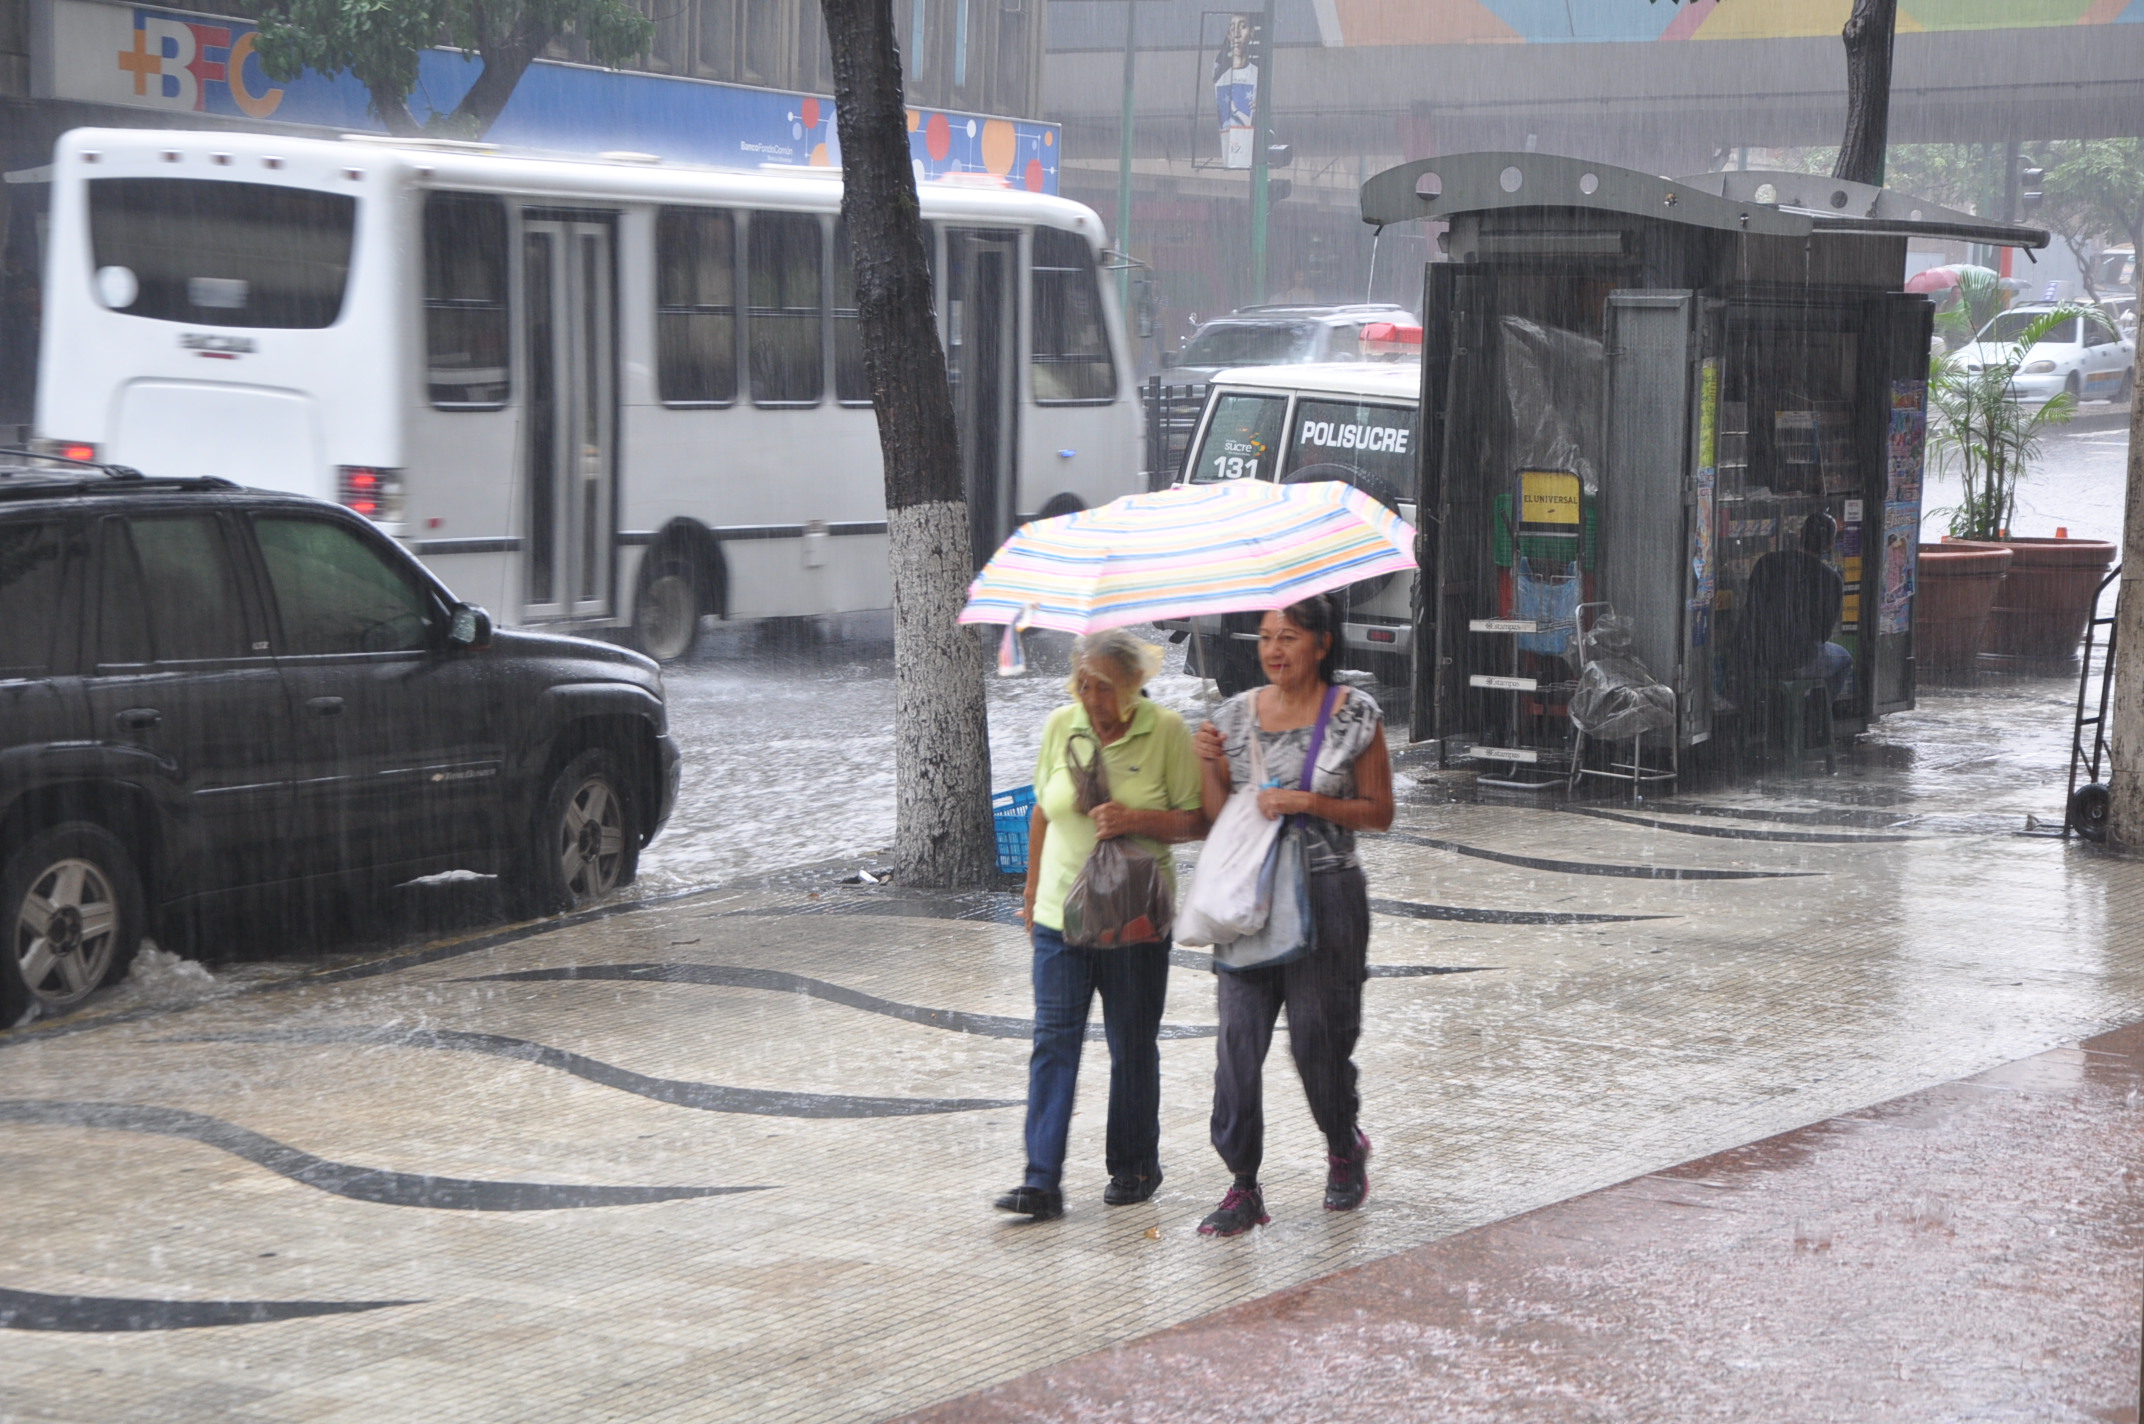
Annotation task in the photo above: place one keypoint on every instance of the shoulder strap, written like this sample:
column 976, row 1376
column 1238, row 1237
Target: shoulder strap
column 1317, row 736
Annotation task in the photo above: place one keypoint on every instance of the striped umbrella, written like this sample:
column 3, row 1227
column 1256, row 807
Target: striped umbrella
column 1191, row 550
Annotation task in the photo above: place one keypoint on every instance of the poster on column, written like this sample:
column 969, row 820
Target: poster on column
column 1901, row 550
column 1235, row 92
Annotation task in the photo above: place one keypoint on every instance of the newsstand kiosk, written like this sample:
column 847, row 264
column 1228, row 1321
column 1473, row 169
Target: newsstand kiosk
column 1632, row 389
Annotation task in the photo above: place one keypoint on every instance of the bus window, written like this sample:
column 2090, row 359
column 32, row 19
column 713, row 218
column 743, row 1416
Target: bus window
column 851, row 386
column 786, row 331
column 1071, row 346
column 220, row 254
column 696, row 306
column 1240, row 439
column 465, row 334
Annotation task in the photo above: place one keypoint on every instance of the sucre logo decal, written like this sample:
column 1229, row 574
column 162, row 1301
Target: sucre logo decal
column 1334, row 436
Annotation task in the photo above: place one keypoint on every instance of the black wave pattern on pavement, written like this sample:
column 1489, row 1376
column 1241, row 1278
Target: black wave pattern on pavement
column 365, row 1184
column 779, row 981
column 1594, row 867
column 1416, row 910
column 1199, row 959
column 678, row 1092
column 986, row 907
column 108, row 1315
column 1733, row 833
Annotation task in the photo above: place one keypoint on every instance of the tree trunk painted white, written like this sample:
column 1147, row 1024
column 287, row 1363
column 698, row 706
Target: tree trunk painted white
column 2125, row 810
column 943, row 833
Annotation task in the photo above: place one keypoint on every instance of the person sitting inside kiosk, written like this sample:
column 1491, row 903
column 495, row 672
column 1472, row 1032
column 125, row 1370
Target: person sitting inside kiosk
column 1790, row 608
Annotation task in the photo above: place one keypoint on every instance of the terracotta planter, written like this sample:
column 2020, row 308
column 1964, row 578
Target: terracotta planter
column 2046, row 598
column 1953, row 593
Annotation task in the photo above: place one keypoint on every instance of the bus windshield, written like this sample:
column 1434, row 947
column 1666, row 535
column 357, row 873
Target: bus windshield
column 220, row 254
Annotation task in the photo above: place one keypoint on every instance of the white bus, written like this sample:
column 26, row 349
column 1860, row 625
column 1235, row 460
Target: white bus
column 605, row 393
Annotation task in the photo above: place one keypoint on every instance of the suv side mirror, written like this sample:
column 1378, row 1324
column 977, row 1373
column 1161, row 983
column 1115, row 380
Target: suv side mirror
column 470, row 628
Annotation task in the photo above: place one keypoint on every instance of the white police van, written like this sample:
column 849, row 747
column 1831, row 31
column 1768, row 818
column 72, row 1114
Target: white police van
column 1351, row 421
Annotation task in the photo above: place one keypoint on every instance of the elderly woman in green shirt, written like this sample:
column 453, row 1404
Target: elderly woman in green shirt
column 1154, row 786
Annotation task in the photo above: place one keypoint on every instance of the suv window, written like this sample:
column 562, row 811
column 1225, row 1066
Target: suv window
column 168, row 592
column 335, row 593
column 29, row 596
column 1375, row 439
column 1240, row 439
column 2099, row 332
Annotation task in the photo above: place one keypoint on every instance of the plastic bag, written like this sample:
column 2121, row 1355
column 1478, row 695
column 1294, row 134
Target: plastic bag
column 1553, row 384
column 1121, row 895
column 1287, row 932
column 1617, row 698
column 1232, row 893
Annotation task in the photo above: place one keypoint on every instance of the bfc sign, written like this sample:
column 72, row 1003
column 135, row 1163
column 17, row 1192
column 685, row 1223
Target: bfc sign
column 183, row 64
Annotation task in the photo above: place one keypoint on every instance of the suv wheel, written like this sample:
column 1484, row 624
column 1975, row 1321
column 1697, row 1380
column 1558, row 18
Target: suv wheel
column 666, row 615
column 72, row 905
column 583, row 844
column 1230, row 661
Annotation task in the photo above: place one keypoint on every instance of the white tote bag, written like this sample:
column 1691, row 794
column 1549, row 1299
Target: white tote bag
column 1232, row 889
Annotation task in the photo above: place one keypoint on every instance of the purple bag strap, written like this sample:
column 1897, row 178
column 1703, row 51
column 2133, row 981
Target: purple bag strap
column 1317, row 737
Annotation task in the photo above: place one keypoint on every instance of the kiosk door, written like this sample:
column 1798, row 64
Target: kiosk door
column 1646, row 489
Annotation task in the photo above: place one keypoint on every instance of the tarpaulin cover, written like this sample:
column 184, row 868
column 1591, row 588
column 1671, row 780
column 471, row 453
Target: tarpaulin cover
column 1553, row 384
column 1617, row 699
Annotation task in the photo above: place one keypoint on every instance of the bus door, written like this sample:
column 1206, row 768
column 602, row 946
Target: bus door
column 570, row 298
column 982, row 268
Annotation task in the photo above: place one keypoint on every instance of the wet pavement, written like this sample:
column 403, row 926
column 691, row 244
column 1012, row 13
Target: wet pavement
column 727, row 1154
column 723, row 1150
column 1971, row 1251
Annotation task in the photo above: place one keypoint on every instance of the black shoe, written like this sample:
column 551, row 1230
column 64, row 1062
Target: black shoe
column 1239, row 1211
column 1034, row 1203
column 1128, row 1190
column 1347, row 1179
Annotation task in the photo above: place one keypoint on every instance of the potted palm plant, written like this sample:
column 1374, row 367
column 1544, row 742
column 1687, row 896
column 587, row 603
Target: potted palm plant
column 1991, row 435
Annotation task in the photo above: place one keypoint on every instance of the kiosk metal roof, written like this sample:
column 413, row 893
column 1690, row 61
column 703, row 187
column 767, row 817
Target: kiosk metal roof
column 1764, row 203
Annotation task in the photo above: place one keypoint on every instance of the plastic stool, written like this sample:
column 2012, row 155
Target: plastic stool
column 1792, row 696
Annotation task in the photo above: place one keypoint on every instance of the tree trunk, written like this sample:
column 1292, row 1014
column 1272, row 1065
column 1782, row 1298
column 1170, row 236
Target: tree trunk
column 2125, row 809
column 943, row 833
column 505, row 61
column 1868, row 35
column 392, row 110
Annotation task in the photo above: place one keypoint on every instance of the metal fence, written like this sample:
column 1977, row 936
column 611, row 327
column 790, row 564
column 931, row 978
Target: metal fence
column 1172, row 414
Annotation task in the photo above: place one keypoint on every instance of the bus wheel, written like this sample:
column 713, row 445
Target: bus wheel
column 666, row 615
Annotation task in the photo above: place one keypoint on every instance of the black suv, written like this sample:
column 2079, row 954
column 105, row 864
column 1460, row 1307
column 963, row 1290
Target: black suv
column 206, row 690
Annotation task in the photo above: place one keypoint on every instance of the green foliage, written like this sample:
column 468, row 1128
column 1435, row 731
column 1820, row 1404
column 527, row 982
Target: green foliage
column 378, row 41
column 2095, row 188
column 1991, row 435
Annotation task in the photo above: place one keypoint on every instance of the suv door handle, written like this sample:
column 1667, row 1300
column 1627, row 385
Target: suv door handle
column 326, row 706
column 135, row 719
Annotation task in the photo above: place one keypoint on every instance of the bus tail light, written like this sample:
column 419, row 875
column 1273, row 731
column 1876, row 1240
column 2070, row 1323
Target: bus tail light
column 372, row 492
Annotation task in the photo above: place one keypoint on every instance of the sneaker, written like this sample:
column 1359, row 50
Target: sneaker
column 1239, row 1211
column 1347, row 1179
column 1127, row 1190
column 1034, row 1203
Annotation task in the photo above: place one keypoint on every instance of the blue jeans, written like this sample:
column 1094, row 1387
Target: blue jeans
column 1836, row 666
column 1133, row 981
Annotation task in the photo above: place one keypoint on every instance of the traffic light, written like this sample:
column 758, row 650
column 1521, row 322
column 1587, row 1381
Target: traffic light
column 2029, row 194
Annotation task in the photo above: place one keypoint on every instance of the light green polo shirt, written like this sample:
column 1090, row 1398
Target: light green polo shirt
column 1151, row 768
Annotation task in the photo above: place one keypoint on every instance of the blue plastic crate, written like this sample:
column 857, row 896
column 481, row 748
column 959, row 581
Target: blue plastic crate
column 1010, row 810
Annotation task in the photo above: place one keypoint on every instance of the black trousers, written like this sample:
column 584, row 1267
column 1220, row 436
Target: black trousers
column 1323, row 995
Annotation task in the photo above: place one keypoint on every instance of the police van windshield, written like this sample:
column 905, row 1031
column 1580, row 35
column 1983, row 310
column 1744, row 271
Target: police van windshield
column 220, row 254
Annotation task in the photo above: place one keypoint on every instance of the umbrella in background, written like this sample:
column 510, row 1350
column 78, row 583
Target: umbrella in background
column 1188, row 551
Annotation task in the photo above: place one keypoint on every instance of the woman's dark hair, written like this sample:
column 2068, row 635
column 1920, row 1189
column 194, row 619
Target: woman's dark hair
column 1316, row 615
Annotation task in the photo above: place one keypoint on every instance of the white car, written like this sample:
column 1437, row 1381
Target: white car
column 2085, row 355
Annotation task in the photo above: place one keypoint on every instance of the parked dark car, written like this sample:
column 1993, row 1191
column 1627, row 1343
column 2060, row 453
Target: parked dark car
column 207, row 691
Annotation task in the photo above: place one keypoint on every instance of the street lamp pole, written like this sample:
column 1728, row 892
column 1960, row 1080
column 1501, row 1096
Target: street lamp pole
column 1261, row 145
column 1124, row 159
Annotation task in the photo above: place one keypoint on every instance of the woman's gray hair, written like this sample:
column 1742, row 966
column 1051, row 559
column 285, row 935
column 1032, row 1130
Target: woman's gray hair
column 1138, row 658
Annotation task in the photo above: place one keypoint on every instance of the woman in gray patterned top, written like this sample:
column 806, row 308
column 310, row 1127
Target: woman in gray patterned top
column 1352, row 791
